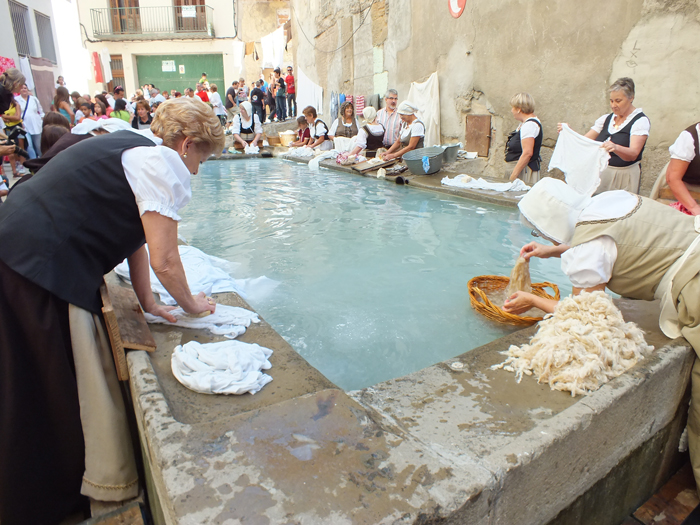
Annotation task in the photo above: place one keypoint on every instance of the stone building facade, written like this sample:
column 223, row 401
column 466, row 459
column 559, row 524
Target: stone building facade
column 565, row 53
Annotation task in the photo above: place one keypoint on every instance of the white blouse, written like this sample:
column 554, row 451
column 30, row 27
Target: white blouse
column 158, row 177
column 684, row 147
column 239, row 123
column 334, row 126
column 591, row 263
column 361, row 139
column 34, row 114
column 529, row 130
column 641, row 127
column 416, row 129
column 215, row 100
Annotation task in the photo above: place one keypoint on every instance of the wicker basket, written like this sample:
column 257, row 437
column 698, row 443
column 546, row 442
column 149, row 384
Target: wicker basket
column 286, row 139
column 479, row 287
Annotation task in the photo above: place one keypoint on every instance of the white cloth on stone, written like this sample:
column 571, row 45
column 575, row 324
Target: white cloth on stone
column 299, row 152
column 205, row 273
column 581, row 159
column 466, row 182
column 314, row 164
column 229, row 321
column 227, row 367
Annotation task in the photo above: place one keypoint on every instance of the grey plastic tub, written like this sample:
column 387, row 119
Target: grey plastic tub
column 450, row 154
column 414, row 160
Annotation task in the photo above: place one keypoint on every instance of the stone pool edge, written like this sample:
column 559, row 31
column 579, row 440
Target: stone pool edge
column 377, row 465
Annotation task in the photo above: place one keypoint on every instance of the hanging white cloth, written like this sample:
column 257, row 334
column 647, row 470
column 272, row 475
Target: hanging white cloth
column 227, row 367
column 239, row 58
column 26, row 70
column 279, row 42
column 205, row 273
column 467, row 182
column 229, row 321
column 581, row 159
column 106, row 65
column 426, row 97
column 309, row 93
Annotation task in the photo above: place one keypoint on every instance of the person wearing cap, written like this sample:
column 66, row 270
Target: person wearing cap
column 370, row 137
column 412, row 134
column 635, row 246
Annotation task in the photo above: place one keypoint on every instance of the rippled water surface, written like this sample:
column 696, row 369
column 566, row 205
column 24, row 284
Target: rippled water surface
column 373, row 276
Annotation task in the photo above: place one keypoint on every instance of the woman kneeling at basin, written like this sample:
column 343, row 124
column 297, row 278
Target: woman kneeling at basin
column 63, row 428
column 636, row 247
column 412, row 133
column 246, row 127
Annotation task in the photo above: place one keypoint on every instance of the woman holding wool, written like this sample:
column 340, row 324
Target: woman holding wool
column 636, row 247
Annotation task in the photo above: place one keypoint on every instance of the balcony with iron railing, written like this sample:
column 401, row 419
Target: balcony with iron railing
column 152, row 23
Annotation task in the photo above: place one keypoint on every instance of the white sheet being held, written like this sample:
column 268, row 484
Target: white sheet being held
column 581, row 159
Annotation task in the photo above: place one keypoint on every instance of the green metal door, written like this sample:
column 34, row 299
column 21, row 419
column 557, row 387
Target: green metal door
column 158, row 70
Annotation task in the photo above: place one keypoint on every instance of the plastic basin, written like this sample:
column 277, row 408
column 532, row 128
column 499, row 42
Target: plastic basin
column 414, row 160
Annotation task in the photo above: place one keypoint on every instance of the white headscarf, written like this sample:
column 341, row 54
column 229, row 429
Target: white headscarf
column 553, row 208
column 109, row 124
column 249, row 111
column 406, row 108
column 370, row 114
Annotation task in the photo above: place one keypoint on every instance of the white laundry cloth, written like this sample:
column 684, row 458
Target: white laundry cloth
column 106, row 65
column 299, row 152
column 273, row 49
column 251, row 150
column 343, row 144
column 314, row 164
column 581, row 159
column 238, row 58
column 227, row 367
column 26, row 70
column 308, row 93
column 229, row 321
column 466, row 182
column 426, row 97
column 204, row 274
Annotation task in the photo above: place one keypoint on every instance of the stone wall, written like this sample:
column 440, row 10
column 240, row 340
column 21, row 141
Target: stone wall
column 564, row 53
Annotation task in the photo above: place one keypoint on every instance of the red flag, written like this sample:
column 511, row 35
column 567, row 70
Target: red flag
column 97, row 67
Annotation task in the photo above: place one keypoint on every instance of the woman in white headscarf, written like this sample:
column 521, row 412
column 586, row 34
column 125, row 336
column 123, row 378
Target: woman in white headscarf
column 246, row 127
column 370, row 137
column 636, row 247
column 412, row 132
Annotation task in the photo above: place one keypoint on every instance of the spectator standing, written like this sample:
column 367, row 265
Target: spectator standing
column 201, row 93
column 143, row 117
column 389, row 117
column 62, row 105
column 291, row 92
column 32, row 113
column 119, row 94
column 156, row 96
column 120, row 111
column 280, row 96
column 107, row 108
column 257, row 100
column 231, row 99
column 217, row 104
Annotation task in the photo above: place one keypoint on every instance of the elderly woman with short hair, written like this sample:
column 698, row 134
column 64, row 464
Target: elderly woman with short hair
column 412, row 134
column 624, row 134
column 66, row 229
column 523, row 145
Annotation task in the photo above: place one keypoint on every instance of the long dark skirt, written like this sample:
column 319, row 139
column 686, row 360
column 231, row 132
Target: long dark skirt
column 42, row 453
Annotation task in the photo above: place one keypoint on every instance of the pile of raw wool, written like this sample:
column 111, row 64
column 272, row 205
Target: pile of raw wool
column 579, row 347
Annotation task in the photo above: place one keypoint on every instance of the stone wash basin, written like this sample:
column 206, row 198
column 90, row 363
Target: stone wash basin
column 466, row 446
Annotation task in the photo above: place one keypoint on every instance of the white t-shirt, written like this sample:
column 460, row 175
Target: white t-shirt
column 416, row 129
column 318, row 131
column 684, row 147
column 641, row 127
column 158, row 177
column 361, row 140
column 334, row 126
column 215, row 100
column 591, row 263
column 238, row 124
column 529, row 129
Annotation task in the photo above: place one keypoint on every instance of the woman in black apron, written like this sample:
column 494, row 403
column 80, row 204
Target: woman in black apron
column 523, row 144
column 411, row 135
column 246, row 127
column 371, row 136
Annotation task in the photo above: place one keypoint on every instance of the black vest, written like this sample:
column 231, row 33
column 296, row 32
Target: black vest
column 514, row 147
column 374, row 142
column 250, row 130
column 692, row 174
column 75, row 220
column 621, row 138
column 325, row 135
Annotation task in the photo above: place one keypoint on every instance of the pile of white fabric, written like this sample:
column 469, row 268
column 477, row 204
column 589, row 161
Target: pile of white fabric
column 229, row 321
column 227, row 367
column 469, row 183
column 299, row 152
column 251, row 150
column 581, row 346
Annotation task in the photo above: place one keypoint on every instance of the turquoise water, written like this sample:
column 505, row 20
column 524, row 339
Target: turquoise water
column 372, row 275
